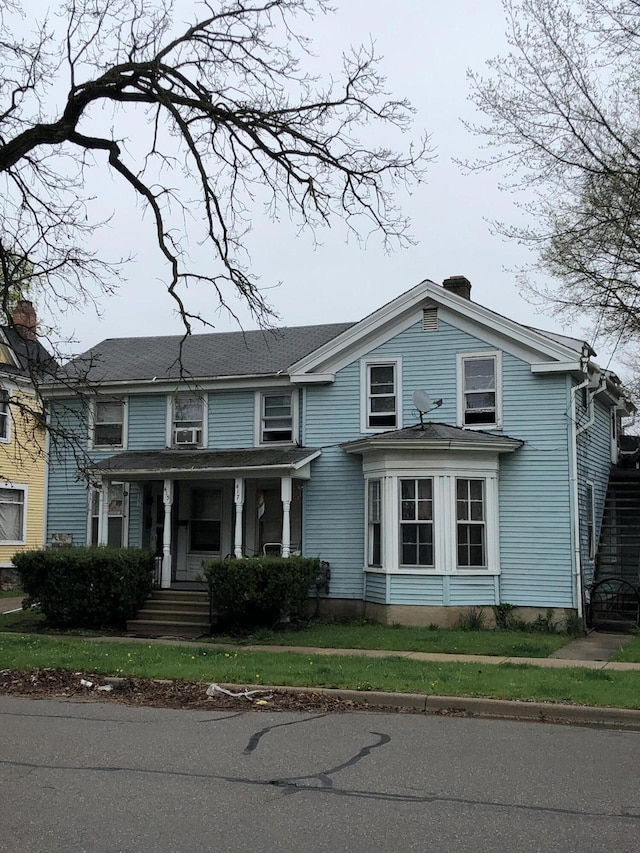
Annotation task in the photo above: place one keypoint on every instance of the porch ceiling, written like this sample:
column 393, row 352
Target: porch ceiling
column 184, row 464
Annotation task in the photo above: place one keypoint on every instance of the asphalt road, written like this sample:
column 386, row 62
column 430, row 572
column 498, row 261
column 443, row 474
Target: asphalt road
column 91, row 777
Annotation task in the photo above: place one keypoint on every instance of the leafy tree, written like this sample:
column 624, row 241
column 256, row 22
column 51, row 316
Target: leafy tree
column 562, row 112
column 204, row 126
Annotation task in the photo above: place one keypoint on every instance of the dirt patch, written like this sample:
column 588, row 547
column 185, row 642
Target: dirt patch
column 62, row 684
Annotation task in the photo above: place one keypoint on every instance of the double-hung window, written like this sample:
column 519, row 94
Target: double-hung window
column 471, row 523
column 416, row 522
column 12, row 516
column 115, row 515
column 187, row 421
column 374, row 524
column 108, row 423
column 276, row 417
column 4, row 415
column 479, row 390
column 382, row 395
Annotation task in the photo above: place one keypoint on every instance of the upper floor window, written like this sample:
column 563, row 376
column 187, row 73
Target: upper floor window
column 382, row 395
column 276, row 417
column 188, row 420
column 4, row 415
column 479, row 389
column 108, row 423
column 12, row 515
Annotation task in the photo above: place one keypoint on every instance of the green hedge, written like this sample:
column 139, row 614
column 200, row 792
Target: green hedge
column 260, row 591
column 86, row 587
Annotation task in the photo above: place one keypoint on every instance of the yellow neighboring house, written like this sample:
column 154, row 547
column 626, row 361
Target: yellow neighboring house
column 22, row 440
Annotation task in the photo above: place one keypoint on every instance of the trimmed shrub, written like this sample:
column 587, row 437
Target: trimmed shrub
column 260, row 591
column 86, row 587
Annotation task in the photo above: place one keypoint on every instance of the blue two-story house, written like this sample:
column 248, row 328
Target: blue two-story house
column 485, row 486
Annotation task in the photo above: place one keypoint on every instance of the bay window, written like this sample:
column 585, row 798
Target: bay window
column 470, row 523
column 374, row 524
column 416, row 525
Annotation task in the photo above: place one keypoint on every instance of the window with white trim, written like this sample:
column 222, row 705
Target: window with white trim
column 382, row 396
column 479, row 390
column 5, row 415
column 276, row 417
column 470, row 524
column 416, row 522
column 187, row 423
column 374, row 523
column 12, row 515
column 108, row 423
column 115, row 515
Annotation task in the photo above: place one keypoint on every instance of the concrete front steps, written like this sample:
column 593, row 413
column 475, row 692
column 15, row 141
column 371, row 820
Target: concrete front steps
column 172, row 613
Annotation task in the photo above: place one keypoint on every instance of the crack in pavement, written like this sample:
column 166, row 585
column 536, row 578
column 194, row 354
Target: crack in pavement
column 254, row 740
column 382, row 796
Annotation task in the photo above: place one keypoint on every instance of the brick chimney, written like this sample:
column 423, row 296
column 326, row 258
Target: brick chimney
column 458, row 284
column 25, row 320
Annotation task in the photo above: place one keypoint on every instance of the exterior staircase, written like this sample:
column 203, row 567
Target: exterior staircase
column 172, row 613
column 615, row 595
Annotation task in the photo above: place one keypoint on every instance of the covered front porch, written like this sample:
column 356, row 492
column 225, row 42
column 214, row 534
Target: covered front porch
column 196, row 505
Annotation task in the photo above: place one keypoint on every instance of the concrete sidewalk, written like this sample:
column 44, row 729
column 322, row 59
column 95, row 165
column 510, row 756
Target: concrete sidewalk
column 9, row 604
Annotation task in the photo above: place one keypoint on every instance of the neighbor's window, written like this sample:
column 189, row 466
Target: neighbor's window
column 187, row 422
column 108, row 423
column 382, row 396
column 470, row 519
column 416, row 522
column 4, row 414
column 374, row 535
column 206, row 515
column 276, row 418
column 479, row 390
column 11, row 515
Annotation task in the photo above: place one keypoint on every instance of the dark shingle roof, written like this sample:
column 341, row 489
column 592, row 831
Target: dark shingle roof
column 158, row 461
column 214, row 355
column 33, row 359
column 437, row 434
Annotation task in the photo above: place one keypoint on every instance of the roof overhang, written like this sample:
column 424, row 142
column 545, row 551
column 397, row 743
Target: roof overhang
column 208, row 464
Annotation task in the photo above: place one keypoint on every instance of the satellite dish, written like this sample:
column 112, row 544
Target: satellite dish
column 421, row 400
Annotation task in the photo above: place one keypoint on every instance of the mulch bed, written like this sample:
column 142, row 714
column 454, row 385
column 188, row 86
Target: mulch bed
column 63, row 684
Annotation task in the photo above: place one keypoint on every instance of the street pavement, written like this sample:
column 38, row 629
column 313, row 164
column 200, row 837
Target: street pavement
column 99, row 778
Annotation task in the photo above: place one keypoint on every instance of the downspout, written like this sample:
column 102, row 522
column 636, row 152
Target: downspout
column 573, row 457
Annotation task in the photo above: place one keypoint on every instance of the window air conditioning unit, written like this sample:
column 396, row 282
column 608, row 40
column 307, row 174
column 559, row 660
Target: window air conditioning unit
column 188, row 435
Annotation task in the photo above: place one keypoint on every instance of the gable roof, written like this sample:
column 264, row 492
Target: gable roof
column 30, row 357
column 219, row 354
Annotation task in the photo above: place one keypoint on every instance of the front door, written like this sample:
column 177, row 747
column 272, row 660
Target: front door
column 201, row 527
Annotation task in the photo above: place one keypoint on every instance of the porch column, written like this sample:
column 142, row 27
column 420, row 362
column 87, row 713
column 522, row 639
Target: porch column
column 285, row 490
column 239, row 502
column 103, row 525
column 167, row 499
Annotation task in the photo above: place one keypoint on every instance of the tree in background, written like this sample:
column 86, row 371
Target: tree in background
column 204, row 126
column 563, row 119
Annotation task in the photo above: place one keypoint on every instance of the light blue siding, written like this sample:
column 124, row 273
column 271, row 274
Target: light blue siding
column 417, row 589
column 135, row 515
column 376, row 588
column 67, row 508
column 147, row 427
column 594, row 465
column 231, row 419
column 535, row 519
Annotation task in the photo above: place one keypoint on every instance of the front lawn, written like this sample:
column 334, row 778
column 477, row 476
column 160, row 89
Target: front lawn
column 630, row 652
column 402, row 638
column 207, row 664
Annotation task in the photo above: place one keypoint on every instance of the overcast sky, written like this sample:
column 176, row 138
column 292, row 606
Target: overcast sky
column 427, row 47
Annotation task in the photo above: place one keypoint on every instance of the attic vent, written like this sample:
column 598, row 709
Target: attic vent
column 429, row 319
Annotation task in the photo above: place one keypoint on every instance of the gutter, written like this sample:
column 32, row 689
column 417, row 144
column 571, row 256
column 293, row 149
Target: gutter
column 573, row 459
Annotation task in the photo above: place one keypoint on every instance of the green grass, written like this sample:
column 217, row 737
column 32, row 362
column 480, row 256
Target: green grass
column 630, row 652
column 506, row 681
column 11, row 593
column 402, row 638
